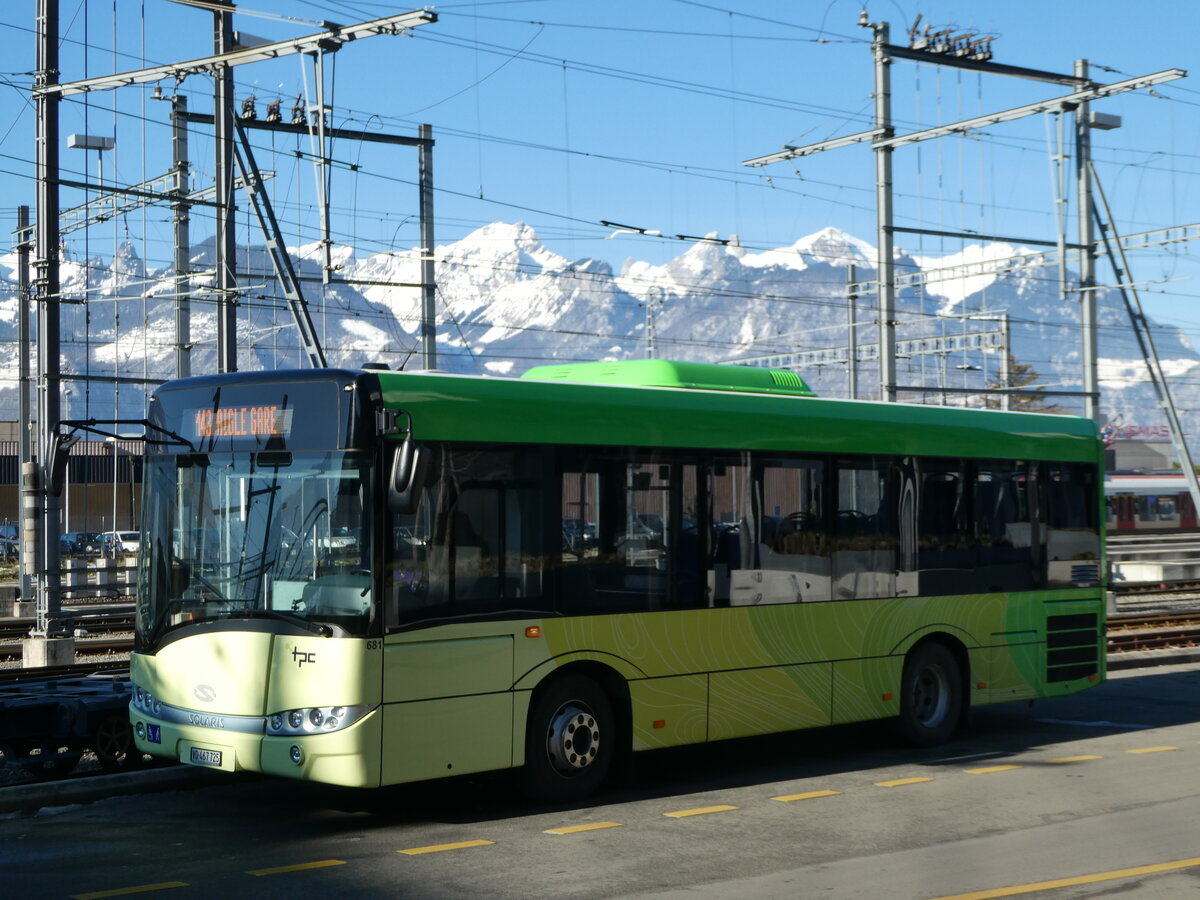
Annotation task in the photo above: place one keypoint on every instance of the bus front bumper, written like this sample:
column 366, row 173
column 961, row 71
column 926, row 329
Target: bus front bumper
column 349, row 757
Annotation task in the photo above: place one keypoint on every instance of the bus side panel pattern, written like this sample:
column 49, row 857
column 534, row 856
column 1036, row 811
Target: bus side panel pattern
column 761, row 701
column 866, row 688
column 680, row 704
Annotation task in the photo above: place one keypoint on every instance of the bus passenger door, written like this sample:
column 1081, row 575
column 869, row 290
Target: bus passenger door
column 466, row 553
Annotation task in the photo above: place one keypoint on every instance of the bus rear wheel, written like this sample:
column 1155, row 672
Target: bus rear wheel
column 569, row 740
column 930, row 695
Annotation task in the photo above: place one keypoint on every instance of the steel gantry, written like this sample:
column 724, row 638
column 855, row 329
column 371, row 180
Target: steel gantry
column 40, row 501
column 884, row 140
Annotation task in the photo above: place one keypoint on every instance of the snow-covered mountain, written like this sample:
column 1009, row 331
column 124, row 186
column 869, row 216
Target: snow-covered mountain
column 506, row 302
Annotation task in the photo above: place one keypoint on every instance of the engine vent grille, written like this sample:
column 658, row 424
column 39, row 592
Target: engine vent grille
column 1072, row 646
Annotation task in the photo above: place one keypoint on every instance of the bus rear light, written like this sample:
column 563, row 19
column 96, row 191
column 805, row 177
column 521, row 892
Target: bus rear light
column 660, row 723
column 887, row 698
column 982, row 685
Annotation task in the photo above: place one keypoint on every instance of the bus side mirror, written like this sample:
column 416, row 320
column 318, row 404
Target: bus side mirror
column 407, row 476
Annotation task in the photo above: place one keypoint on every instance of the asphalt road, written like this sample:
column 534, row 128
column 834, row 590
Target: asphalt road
column 1089, row 796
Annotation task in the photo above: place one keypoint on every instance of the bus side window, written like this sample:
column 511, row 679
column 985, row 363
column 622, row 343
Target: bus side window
column 1072, row 529
column 945, row 550
column 784, row 546
column 630, row 533
column 1003, row 531
column 865, row 529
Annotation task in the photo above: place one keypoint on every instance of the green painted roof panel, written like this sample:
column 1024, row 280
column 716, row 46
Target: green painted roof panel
column 467, row 408
column 670, row 373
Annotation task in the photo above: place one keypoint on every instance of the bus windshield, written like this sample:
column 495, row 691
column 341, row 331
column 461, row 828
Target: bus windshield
column 269, row 535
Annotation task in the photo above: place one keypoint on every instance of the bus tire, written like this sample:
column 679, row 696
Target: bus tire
column 569, row 740
column 931, row 695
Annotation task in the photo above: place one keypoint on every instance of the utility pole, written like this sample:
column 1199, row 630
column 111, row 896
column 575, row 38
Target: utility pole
column 47, row 646
column 181, row 215
column 317, row 121
column 428, row 282
column 226, row 244
column 852, row 330
column 1005, row 363
column 883, row 208
column 1089, row 348
column 28, row 548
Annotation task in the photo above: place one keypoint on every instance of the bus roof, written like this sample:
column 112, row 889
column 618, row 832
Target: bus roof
column 534, row 410
column 671, row 373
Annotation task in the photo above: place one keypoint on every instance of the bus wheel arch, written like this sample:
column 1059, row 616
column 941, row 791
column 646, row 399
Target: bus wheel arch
column 576, row 727
column 934, row 693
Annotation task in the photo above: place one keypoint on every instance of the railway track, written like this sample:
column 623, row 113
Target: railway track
column 98, row 635
column 93, row 623
column 1164, row 631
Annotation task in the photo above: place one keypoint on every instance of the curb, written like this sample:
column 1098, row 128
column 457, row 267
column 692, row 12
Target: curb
column 86, row 789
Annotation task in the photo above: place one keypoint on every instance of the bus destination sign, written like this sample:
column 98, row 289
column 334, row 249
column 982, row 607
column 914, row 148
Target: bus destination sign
column 241, row 421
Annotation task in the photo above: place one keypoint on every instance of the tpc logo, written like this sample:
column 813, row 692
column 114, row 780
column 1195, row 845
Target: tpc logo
column 301, row 657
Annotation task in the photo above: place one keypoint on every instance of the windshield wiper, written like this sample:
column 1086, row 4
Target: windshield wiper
column 321, row 628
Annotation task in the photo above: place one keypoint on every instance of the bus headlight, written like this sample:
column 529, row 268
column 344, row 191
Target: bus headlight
column 146, row 702
column 314, row 719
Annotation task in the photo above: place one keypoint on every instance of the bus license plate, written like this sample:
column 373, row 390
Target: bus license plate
column 202, row 757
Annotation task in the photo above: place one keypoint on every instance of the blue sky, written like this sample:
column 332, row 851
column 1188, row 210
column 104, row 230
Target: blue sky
column 563, row 113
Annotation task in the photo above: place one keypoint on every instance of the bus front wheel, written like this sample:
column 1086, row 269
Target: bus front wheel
column 569, row 740
column 930, row 695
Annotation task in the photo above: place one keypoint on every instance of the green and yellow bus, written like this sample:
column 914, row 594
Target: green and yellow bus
column 372, row 577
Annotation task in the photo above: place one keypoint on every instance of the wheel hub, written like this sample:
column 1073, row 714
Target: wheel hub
column 573, row 738
column 931, row 696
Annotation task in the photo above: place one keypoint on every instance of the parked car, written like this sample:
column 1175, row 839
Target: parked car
column 79, row 543
column 10, row 546
column 119, row 542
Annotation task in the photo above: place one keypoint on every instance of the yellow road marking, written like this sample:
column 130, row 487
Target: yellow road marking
column 1152, row 750
column 438, row 848
column 899, row 782
column 1073, row 759
column 1076, row 880
column 140, row 889
column 299, row 867
column 701, row 811
column 988, row 770
column 576, row 829
column 811, row 795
